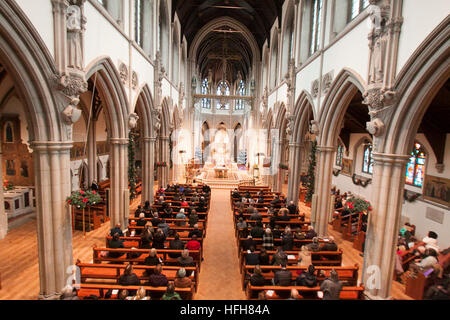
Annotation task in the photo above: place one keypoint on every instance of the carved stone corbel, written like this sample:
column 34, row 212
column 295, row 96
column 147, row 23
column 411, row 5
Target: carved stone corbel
column 134, row 80
column 314, row 127
column 315, row 89
column 156, row 115
column 290, row 124
column 71, row 113
column 380, row 102
column 132, row 120
column 439, row 167
column 123, row 73
column 327, row 80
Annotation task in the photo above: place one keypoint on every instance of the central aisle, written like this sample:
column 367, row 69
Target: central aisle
column 220, row 278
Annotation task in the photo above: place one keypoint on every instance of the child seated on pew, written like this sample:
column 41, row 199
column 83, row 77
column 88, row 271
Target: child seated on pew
column 141, row 294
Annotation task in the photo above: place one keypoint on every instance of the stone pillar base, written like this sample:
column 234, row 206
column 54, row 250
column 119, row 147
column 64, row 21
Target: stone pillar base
column 372, row 297
column 49, row 297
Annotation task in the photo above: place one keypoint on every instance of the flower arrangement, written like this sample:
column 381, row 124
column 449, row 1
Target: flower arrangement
column 161, row 164
column 7, row 185
column 358, row 205
column 81, row 199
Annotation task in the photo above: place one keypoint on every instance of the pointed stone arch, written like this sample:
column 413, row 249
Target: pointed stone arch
column 299, row 124
column 107, row 84
column 144, row 108
column 330, row 118
column 30, row 64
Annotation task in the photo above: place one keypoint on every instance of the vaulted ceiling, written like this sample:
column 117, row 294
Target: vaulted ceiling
column 257, row 15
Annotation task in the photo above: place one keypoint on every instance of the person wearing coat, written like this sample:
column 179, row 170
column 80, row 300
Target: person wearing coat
column 331, row 287
column 307, row 279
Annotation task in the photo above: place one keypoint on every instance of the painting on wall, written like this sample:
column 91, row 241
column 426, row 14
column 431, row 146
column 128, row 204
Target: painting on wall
column 347, row 166
column 437, row 190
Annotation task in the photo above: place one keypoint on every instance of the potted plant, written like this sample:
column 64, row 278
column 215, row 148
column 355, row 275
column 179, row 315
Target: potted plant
column 7, row 185
column 358, row 205
column 82, row 199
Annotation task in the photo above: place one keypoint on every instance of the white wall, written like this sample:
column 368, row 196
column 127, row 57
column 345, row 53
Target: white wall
column 40, row 14
column 419, row 20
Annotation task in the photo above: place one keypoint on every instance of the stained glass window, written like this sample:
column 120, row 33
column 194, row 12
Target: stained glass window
column 138, row 21
column 316, row 25
column 223, row 89
column 415, row 169
column 339, row 155
column 368, row 160
column 356, row 7
column 206, row 103
column 241, row 92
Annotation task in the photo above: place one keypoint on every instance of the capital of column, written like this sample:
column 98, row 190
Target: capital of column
column 51, row 145
column 149, row 139
column 326, row 149
column 60, row 6
column 121, row 141
column 295, row 145
column 388, row 158
column 164, row 138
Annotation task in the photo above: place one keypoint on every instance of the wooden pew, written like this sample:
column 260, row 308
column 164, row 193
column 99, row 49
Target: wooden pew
column 170, row 221
column 277, row 242
column 347, row 224
column 347, row 293
column 94, row 217
column 319, row 258
column 172, row 227
column 98, row 272
column 98, row 257
column 134, row 242
column 348, row 275
column 87, row 289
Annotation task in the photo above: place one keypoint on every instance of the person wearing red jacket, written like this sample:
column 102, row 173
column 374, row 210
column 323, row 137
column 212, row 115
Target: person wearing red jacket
column 193, row 244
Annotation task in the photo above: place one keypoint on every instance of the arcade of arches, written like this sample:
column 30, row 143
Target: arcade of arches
column 327, row 102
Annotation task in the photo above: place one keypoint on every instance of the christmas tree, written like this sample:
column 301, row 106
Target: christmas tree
column 132, row 176
column 310, row 178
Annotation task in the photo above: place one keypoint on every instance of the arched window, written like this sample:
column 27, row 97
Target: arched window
column 206, row 103
column 223, row 89
column 102, row 2
column 241, row 92
column 356, row 7
column 367, row 160
column 415, row 169
column 175, row 62
column 339, row 154
column 138, row 22
column 9, row 132
column 316, row 25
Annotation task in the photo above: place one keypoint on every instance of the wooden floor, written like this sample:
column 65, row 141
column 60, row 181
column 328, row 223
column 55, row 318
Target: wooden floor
column 218, row 280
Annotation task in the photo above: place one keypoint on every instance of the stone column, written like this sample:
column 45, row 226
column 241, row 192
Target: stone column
column 322, row 191
column 92, row 152
column 295, row 160
column 383, row 227
column 3, row 214
column 119, row 206
column 148, row 149
column 54, row 227
column 276, row 174
column 165, row 158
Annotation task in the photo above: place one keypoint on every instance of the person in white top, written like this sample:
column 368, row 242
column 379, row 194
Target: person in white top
column 431, row 241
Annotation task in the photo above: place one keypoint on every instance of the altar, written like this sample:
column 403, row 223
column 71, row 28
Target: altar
column 221, row 172
column 19, row 201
